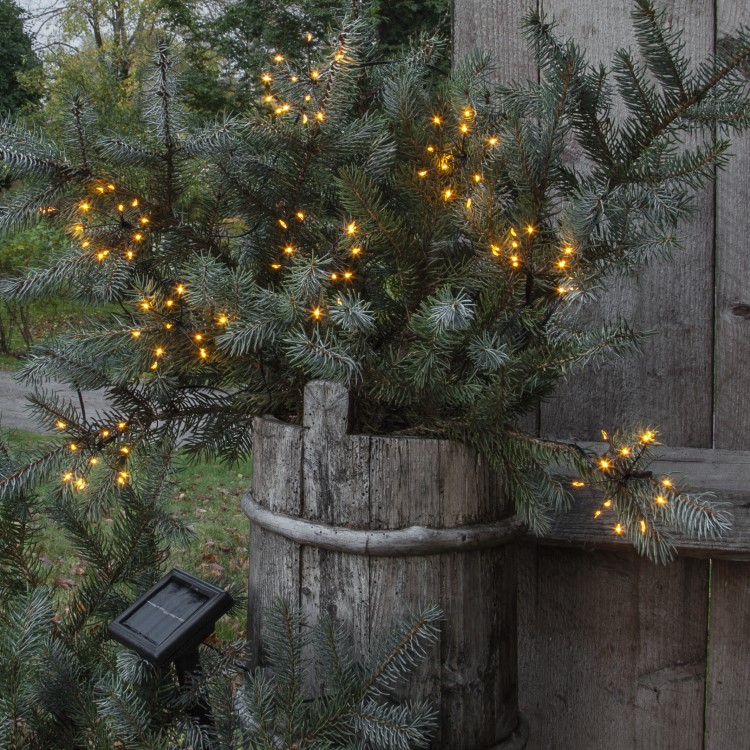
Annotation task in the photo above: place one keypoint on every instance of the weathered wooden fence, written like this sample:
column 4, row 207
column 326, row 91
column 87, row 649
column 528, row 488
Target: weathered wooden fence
column 615, row 652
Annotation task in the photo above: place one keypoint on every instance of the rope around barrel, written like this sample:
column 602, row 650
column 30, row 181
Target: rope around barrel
column 413, row 540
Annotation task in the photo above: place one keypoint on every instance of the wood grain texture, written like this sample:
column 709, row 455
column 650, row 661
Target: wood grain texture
column 725, row 473
column 732, row 349
column 612, row 651
column 728, row 708
column 277, row 476
column 670, row 383
column 336, row 470
column 494, row 25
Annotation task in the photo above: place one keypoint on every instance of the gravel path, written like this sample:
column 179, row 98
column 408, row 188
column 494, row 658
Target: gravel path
column 14, row 406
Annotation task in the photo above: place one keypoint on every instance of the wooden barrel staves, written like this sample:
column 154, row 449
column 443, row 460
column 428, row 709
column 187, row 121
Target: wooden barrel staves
column 363, row 527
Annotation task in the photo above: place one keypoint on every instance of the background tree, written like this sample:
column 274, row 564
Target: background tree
column 18, row 62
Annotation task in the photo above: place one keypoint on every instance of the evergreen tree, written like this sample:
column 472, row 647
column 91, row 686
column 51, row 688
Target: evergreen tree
column 419, row 237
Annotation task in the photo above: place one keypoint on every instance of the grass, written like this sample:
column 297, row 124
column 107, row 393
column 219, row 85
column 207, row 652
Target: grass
column 207, row 500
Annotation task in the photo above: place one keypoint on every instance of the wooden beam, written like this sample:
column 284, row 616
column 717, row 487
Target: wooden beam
column 723, row 472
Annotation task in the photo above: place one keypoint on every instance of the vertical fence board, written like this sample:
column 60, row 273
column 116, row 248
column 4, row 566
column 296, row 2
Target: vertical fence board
column 494, row 25
column 611, row 650
column 732, row 424
column 670, row 384
column 728, row 707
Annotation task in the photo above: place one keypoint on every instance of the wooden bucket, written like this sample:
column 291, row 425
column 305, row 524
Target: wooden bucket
column 364, row 527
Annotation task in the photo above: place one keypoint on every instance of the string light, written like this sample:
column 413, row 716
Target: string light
column 180, row 289
column 447, row 193
column 562, row 263
column 137, row 237
column 355, row 250
column 73, row 447
column 468, row 203
column 85, row 206
column 102, row 254
column 169, row 303
column 315, row 74
column 437, row 120
column 122, row 425
column 661, row 500
column 319, row 116
column 130, row 255
column 308, row 37
column 203, row 353
column 305, row 119
column 347, row 275
column 67, row 476
column 514, row 261
column 604, row 463
column 80, row 483
column 492, row 141
column 625, row 451
column 597, row 513
column 283, row 224
column 300, row 215
column 168, row 326
column 198, row 337
column 135, row 333
column 121, row 207
column 643, row 526
column 422, row 173
column 578, row 483
column 648, row 436
column 278, row 58
column 60, row 424
column 666, row 482
column 105, row 433
column 125, row 450
column 618, row 529
column 316, row 313
column 134, row 203
column 495, row 249
column 93, row 460
column 222, row 320
column 159, row 351
column 351, row 228
column 607, row 503
column 477, row 178
column 144, row 220
column 289, row 249
column 468, row 112
column 568, row 250
column 464, row 128
column 266, row 78
column 430, row 149
column 276, row 266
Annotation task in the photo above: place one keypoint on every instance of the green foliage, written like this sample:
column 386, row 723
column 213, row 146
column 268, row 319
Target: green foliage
column 18, row 62
column 423, row 238
column 227, row 47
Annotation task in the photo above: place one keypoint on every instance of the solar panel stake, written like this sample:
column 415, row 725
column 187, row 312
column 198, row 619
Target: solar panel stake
column 169, row 622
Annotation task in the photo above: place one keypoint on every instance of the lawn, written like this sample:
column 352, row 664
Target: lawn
column 207, row 500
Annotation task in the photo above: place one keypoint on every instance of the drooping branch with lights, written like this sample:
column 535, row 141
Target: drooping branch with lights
column 423, row 238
